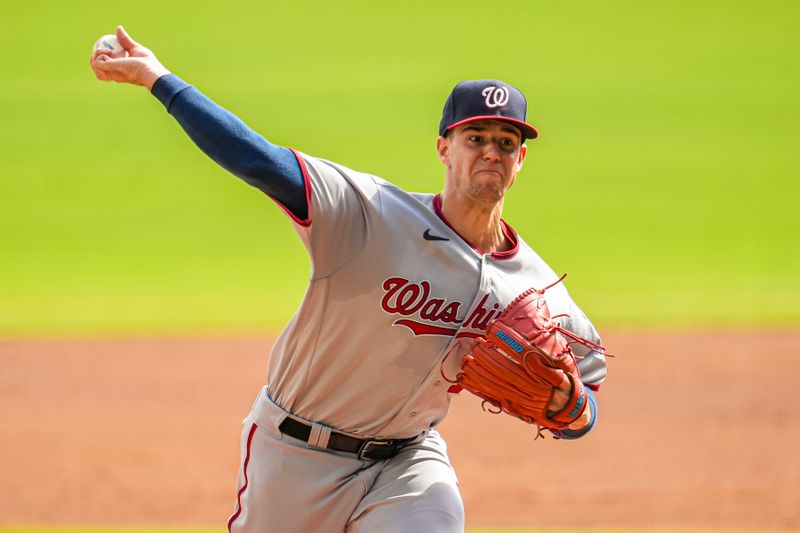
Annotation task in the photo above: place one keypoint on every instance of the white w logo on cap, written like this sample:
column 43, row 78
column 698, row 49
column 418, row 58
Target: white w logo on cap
column 495, row 96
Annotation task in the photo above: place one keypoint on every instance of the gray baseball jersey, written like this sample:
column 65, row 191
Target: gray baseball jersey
column 394, row 298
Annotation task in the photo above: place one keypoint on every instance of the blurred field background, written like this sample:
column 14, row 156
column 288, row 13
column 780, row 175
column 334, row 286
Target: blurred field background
column 127, row 529
column 23, row 529
column 664, row 181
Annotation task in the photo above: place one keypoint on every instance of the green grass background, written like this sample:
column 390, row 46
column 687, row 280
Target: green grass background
column 664, row 181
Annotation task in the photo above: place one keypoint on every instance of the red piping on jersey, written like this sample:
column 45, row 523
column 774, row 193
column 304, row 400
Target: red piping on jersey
column 508, row 231
column 306, row 186
column 235, row 515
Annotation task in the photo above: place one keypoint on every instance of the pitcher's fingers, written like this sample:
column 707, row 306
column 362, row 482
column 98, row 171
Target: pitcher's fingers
column 566, row 385
column 125, row 40
column 97, row 52
column 102, row 63
column 101, row 52
column 103, row 58
column 560, row 397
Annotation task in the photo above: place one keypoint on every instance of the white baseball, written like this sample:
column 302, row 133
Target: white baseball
column 110, row 43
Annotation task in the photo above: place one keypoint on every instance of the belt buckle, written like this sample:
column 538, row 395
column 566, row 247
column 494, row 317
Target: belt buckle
column 376, row 445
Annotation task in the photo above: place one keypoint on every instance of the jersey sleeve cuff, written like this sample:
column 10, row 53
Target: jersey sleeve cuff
column 167, row 87
column 572, row 434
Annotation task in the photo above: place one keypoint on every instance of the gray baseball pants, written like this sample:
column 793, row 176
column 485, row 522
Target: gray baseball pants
column 285, row 486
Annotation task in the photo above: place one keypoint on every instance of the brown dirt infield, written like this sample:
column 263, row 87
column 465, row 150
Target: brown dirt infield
column 696, row 430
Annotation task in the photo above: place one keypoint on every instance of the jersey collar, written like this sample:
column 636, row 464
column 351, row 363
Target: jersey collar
column 508, row 231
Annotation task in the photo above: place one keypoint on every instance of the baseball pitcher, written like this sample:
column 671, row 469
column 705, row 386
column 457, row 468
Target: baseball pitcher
column 413, row 297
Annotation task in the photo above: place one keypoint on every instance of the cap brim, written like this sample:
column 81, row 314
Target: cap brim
column 528, row 131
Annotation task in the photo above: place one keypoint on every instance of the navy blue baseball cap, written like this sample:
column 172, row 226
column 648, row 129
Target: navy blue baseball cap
column 473, row 100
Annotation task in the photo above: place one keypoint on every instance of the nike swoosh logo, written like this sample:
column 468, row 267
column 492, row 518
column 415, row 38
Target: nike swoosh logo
column 429, row 237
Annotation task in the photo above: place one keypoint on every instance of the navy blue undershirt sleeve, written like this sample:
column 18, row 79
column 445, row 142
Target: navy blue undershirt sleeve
column 569, row 434
column 233, row 145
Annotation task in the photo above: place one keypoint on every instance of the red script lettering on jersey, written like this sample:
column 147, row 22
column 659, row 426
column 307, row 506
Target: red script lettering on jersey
column 405, row 298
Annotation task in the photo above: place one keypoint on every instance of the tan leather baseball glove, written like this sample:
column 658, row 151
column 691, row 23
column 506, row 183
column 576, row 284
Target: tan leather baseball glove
column 523, row 359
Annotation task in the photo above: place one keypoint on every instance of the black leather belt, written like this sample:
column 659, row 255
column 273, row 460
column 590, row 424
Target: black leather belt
column 364, row 449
